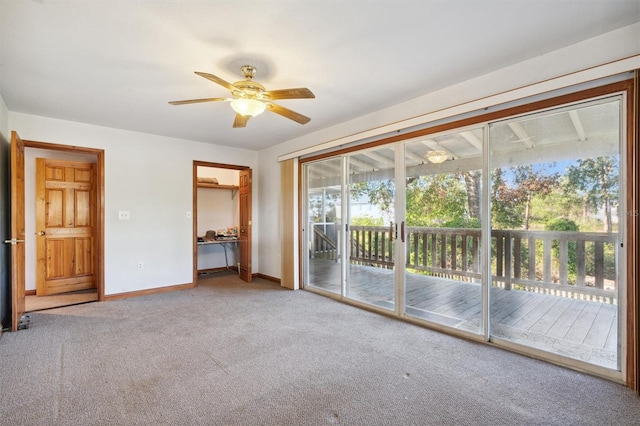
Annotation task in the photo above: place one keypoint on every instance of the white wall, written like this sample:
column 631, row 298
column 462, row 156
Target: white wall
column 150, row 176
column 4, row 121
column 610, row 47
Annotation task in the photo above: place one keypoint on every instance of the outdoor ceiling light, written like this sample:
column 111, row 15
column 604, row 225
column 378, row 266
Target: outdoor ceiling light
column 248, row 107
column 437, row 157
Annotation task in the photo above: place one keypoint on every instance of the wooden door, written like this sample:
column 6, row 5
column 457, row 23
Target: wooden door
column 244, row 239
column 17, row 230
column 65, row 222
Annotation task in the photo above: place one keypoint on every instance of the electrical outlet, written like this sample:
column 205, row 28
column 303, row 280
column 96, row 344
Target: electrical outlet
column 123, row 215
column 188, row 215
column 140, row 266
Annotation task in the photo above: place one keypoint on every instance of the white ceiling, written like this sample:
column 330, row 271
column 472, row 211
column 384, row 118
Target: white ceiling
column 117, row 63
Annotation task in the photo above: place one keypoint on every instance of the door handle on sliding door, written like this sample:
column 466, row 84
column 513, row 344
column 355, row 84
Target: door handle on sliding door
column 402, row 231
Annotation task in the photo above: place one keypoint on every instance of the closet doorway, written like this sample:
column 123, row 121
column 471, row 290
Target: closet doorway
column 221, row 219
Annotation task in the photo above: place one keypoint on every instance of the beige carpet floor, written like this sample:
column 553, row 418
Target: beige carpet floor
column 236, row 353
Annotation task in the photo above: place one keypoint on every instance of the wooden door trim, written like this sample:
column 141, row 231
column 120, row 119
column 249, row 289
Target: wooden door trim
column 99, row 229
column 194, row 208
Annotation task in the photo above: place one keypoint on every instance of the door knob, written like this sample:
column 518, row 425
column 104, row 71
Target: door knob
column 41, row 233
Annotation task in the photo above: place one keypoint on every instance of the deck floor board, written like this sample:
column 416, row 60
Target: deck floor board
column 580, row 329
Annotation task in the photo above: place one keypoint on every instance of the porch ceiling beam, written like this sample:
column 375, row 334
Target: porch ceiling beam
column 379, row 158
column 412, row 155
column 577, row 124
column 522, row 134
column 359, row 163
column 473, row 140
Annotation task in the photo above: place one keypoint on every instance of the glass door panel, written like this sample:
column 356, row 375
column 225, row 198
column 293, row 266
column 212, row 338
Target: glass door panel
column 443, row 256
column 555, row 190
column 323, row 199
column 371, row 231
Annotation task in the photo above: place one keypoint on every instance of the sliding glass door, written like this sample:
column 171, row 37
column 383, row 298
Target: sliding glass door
column 509, row 231
column 555, row 231
column 442, row 232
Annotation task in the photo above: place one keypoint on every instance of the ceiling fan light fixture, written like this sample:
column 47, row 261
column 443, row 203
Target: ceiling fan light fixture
column 437, row 157
column 248, row 107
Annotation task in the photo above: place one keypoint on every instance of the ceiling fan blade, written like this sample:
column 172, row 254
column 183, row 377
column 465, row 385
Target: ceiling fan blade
column 218, row 80
column 299, row 93
column 241, row 120
column 285, row 112
column 195, row 101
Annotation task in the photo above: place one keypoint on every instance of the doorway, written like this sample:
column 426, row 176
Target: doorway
column 24, row 288
column 221, row 219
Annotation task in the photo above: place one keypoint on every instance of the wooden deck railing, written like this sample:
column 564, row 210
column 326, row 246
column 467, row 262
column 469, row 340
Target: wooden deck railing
column 570, row 264
column 372, row 245
column 576, row 264
column 323, row 247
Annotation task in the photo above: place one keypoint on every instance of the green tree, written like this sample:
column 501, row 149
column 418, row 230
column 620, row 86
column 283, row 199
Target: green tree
column 436, row 200
column 511, row 204
column 597, row 182
column 505, row 206
column 378, row 192
column 530, row 183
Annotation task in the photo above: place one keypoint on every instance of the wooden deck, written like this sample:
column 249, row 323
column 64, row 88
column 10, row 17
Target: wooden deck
column 579, row 329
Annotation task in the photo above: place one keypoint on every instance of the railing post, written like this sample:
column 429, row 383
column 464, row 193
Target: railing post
column 454, row 252
column 499, row 254
column 563, row 260
column 508, row 256
column 580, row 263
column 463, row 249
column 546, row 259
column 517, row 257
column 532, row 258
column 599, row 264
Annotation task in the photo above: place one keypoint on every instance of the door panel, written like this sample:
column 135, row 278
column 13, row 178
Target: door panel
column 556, row 232
column 325, row 225
column 443, row 256
column 244, row 239
column 65, row 193
column 17, row 230
column 371, row 240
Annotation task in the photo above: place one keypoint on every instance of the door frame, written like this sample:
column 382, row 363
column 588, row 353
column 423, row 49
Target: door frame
column 18, row 292
column 194, row 215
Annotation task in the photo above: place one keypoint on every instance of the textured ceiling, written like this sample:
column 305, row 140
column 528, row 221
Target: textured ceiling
column 117, row 63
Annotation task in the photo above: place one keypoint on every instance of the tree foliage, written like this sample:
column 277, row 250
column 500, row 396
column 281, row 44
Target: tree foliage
column 522, row 197
column 596, row 181
column 436, row 200
column 512, row 202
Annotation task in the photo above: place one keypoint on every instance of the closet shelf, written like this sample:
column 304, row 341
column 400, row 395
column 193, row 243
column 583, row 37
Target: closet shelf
column 232, row 188
column 217, row 186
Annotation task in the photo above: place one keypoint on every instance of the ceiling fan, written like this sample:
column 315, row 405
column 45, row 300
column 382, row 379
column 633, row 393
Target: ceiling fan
column 249, row 98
